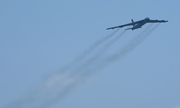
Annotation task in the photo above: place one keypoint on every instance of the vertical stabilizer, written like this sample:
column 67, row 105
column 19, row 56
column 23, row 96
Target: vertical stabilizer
column 133, row 22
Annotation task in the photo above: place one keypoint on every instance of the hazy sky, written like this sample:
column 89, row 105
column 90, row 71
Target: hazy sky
column 39, row 37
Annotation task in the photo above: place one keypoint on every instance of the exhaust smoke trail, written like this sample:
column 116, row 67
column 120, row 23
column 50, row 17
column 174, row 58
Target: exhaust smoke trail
column 87, row 69
column 95, row 45
column 86, row 64
column 87, row 52
column 33, row 100
column 83, row 68
column 127, row 48
column 61, row 84
column 89, row 63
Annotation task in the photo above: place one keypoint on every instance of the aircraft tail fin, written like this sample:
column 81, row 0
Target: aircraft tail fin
column 133, row 22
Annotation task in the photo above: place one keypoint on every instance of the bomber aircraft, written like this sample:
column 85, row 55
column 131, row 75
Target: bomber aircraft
column 138, row 24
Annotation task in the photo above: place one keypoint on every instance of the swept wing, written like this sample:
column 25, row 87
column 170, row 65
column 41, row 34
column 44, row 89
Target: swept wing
column 133, row 23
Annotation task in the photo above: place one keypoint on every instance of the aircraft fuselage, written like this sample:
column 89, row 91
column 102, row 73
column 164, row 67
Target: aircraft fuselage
column 139, row 25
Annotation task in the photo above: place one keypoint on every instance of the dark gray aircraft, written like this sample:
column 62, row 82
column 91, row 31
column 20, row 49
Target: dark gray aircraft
column 138, row 24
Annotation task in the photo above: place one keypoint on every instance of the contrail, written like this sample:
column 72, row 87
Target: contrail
column 122, row 52
column 85, row 70
column 88, row 71
column 78, row 68
column 95, row 45
column 87, row 52
column 87, row 63
column 127, row 48
column 31, row 100
column 91, row 61
column 82, row 69
column 93, row 64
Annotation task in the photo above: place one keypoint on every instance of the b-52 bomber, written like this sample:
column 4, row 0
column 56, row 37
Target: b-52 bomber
column 138, row 24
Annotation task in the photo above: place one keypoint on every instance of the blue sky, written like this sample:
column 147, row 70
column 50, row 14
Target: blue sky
column 38, row 38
